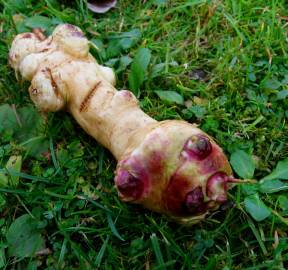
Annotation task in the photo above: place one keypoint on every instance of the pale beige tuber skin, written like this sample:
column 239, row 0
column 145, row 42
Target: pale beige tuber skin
column 170, row 167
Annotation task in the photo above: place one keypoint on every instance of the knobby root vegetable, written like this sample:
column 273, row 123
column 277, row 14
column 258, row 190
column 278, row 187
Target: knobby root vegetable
column 171, row 167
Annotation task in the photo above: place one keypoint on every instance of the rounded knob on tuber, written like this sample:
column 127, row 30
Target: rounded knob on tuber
column 129, row 186
column 194, row 201
column 217, row 187
column 198, row 146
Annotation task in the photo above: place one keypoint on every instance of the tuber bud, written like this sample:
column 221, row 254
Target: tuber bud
column 128, row 185
column 194, row 201
column 198, row 147
column 217, row 187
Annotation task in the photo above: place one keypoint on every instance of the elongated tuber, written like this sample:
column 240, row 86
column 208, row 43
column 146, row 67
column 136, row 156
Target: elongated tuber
column 170, row 167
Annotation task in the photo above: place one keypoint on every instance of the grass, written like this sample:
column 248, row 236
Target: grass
column 227, row 60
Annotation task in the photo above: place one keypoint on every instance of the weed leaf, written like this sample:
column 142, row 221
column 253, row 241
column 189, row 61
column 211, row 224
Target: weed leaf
column 14, row 164
column 272, row 84
column 283, row 202
column 38, row 22
column 122, row 42
column 4, row 179
column 280, row 172
column 256, row 207
column 157, row 70
column 282, row 94
column 124, row 62
column 242, row 164
column 23, row 237
column 272, row 186
column 8, row 120
column 138, row 69
column 170, row 96
column 25, row 125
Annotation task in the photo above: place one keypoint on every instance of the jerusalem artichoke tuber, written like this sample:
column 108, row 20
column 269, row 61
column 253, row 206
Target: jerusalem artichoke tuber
column 170, row 167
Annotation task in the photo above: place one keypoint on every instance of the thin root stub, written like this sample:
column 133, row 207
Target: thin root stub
column 242, row 181
column 170, row 167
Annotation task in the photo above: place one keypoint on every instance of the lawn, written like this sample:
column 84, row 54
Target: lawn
column 225, row 66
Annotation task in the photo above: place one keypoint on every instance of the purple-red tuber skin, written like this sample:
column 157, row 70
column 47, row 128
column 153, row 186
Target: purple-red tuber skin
column 194, row 201
column 129, row 185
column 197, row 147
column 217, row 186
column 195, row 185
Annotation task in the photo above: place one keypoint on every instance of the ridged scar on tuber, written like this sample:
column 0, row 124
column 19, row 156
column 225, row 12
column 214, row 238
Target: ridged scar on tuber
column 170, row 167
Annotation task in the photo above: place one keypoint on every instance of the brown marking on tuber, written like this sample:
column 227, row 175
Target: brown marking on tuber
column 53, row 83
column 85, row 103
column 34, row 91
column 27, row 35
column 44, row 50
column 39, row 34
